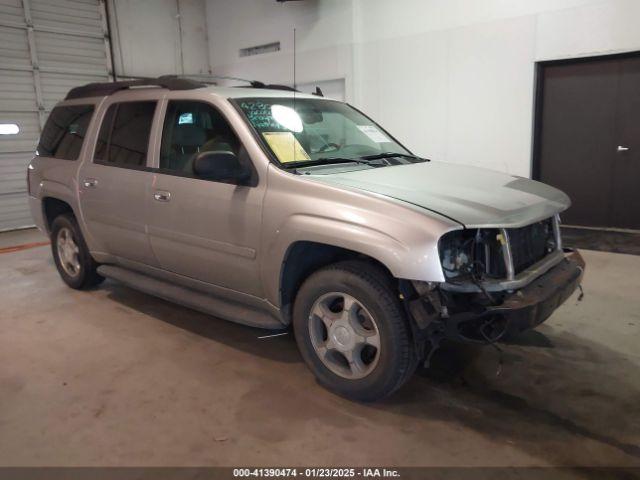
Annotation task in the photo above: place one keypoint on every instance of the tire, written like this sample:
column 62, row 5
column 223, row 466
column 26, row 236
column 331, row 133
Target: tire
column 319, row 313
column 71, row 255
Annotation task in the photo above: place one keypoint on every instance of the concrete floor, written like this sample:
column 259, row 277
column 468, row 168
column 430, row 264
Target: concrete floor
column 116, row 377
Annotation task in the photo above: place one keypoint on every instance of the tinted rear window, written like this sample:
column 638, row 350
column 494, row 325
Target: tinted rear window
column 124, row 135
column 64, row 132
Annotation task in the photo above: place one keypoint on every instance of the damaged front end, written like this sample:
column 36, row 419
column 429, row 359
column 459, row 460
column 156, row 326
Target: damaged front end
column 498, row 282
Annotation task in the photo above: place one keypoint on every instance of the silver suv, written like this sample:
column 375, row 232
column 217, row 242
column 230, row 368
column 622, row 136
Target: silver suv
column 282, row 210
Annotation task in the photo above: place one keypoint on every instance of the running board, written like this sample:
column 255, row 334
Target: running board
column 192, row 299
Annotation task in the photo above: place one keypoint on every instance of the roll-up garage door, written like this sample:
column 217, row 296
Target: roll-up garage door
column 48, row 47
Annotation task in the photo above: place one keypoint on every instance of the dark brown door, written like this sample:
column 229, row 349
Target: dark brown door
column 589, row 140
column 625, row 207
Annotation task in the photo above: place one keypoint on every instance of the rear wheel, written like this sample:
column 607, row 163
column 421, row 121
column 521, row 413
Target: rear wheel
column 352, row 331
column 71, row 255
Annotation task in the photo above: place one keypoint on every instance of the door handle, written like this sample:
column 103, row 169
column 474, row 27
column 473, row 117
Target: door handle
column 622, row 148
column 90, row 183
column 162, row 196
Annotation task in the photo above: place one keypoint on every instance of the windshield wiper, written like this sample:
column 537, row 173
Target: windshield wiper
column 364, row 160
column 325, row 161
column 361, row 160
column 379, row 156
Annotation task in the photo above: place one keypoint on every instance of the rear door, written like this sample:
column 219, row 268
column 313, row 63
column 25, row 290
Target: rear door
column 115, row 180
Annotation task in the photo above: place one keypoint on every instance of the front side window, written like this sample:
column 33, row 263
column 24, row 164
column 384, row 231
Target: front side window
column 190, row 128
column 64, row 132
column 123, row 139
column 307, row 130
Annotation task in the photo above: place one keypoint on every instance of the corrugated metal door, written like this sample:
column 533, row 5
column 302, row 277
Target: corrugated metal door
column 48, row 47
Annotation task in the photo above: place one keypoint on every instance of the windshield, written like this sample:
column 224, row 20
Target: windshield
column 316, row 130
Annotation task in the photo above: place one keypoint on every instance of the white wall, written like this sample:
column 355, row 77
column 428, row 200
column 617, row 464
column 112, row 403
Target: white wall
column 324, row 39
column 453, row 79
column 157, row 37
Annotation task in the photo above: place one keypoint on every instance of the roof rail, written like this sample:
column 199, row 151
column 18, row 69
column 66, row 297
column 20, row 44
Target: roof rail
column 271, row 86
column 171, row 82
column 211, row 79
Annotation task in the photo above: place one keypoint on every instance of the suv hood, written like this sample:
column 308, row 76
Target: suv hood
column 471, row 196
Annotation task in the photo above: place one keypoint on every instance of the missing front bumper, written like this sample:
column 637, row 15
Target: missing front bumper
column 533, row 304
column 518, row 310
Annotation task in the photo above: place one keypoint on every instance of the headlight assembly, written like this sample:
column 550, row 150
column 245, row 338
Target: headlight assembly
column 472, row 253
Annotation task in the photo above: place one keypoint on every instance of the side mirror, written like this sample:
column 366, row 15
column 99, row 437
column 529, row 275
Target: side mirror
column 222, row 166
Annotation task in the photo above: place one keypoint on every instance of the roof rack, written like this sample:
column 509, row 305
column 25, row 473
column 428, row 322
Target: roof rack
column 270, row 86
column 208, row 78
column 171, row 82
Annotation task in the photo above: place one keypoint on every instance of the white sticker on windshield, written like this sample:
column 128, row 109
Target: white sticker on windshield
column 373, row 133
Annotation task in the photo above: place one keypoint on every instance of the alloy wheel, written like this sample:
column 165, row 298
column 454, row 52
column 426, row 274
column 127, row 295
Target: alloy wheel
column 344, row 335
column 68, row 252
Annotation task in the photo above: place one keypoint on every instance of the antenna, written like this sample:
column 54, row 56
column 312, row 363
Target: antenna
column 293, row 143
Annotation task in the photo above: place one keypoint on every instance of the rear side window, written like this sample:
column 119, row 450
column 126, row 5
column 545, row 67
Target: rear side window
column 64, row 132
column 123, row 139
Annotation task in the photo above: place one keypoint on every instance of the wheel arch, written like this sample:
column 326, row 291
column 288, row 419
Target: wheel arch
column 305, row 257
column 52, row 207
column 56, row 198
column 404, row 251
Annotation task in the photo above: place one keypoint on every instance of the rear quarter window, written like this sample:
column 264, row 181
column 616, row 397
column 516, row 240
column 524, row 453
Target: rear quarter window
column 64, row 132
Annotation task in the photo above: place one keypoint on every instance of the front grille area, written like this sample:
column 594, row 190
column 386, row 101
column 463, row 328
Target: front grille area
column 472, row 254
column 531, row 244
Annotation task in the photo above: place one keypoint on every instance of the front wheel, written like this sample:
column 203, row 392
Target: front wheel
column 352, row 331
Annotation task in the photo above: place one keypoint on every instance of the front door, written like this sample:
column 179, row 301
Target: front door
column 589, row 140
column 114, row 184
column 201, row 229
